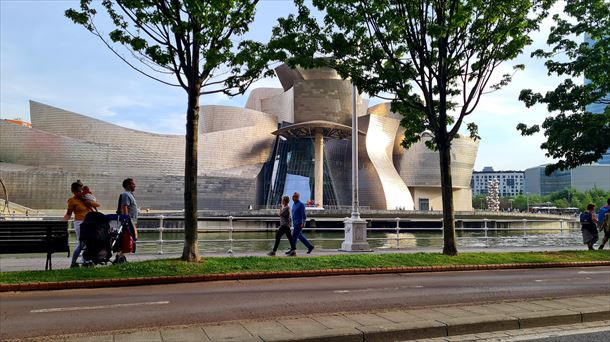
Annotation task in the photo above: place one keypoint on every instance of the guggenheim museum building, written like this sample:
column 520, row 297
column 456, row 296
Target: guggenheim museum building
column 292, row 138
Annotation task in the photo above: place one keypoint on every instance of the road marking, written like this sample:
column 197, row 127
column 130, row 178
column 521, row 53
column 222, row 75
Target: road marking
column 593, row 272
column 111, row 306
column 379, row 289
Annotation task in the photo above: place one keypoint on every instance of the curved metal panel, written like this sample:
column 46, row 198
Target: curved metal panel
column 379, row 144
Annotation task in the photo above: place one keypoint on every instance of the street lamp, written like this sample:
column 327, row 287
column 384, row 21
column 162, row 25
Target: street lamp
column 355, row 227
column 527, row 199
column 511, row 203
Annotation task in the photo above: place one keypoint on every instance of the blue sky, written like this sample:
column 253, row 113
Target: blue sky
column 45, row 57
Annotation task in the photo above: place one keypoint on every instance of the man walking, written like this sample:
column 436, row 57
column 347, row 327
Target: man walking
column 604, row 225
column 298, row 220
column 128, row 206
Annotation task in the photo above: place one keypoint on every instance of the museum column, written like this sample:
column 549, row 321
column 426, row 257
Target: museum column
column 319, row 167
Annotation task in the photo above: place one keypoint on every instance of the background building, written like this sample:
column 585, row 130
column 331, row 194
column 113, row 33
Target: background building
column 511, row 183
column 580, row 178
column 293, row 138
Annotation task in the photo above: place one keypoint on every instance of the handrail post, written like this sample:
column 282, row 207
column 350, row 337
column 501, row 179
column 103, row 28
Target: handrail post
column 398, row 233
column 524, row 232
column 561, row 237
column 230, row 251
column 160, row 234
column 485, row 230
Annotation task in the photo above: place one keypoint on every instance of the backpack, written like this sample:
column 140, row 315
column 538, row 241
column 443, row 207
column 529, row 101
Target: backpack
column 585, row 218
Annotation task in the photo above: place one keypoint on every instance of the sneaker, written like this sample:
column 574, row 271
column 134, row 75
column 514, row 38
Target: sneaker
column 289, row 251
column 310, row 249
column 292, row 253
column 74, row 266
column 601, row 247
column 272, row 253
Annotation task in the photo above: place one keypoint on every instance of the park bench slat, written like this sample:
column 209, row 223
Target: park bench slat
column 18, row 237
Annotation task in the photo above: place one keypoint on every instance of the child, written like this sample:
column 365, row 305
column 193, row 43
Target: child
column 86, row 195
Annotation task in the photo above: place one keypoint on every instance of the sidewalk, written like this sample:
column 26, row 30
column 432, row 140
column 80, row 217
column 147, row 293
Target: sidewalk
column 36, row 262
column 401, row 325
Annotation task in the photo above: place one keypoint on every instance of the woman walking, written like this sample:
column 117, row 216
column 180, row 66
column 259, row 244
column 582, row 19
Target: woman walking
column 588, row 220
column 79, row 207
column 285, row 222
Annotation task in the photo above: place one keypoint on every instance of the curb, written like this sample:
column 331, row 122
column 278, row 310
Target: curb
column 98, row 283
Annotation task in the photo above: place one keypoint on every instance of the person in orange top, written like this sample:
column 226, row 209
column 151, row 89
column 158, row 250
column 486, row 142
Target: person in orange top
column 79, row 208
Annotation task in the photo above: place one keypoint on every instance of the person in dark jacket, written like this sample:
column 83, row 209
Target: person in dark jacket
column 604, row 225
column 285, row 222
column 298, row 220
column 588, row 220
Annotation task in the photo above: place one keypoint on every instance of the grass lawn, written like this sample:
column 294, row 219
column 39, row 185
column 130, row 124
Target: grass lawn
column 174, row 267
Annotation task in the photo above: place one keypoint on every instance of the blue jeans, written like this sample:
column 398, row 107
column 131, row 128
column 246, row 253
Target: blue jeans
column 78, row 247
column 296, row 234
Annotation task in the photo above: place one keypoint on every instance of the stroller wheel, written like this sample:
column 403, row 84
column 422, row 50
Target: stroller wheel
column 120, row 259
column 88, row 264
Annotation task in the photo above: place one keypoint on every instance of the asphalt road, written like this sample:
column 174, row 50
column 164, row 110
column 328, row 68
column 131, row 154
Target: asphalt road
column 30, row 314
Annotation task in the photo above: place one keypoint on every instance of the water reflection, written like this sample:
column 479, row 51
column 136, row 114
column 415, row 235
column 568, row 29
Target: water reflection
column 218, row 242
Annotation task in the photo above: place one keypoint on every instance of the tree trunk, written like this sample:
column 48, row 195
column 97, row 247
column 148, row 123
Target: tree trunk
column 449, row 246
column 191, row 247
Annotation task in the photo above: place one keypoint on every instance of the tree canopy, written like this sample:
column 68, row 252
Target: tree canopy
column 433, row 59
column 187, row 44
column 580, row 47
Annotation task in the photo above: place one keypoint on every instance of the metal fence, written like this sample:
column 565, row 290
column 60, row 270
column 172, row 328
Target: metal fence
column 483, row 232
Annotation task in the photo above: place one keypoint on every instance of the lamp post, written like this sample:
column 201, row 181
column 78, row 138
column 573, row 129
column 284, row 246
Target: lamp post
column 355, row 227
column 511, row 203
column 527, row 199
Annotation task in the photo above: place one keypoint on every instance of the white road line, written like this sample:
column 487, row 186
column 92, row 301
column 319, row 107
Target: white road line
column 111, row 306
column 594, row 272
column 380, row 289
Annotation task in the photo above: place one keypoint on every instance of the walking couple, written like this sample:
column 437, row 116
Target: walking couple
column 298, row 219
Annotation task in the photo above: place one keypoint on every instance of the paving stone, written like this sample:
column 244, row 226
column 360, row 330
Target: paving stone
column 327, row 335
column 452, row 311
column 504, row 308
column 140, row 336
column 368, row 319
column 530, row 306
column 595, row 314
column 545, row 318
column 268, row 330
column 99, row 338
column 235, row 332
column 549, row 304
column 302, row 325
column 399, row 316
column 480, row 310
column 184, row 335
column 429, row 314
column 403, row 331
column 480, row 324
column 336, row 321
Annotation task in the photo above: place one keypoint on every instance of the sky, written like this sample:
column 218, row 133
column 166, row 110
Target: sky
column 45, row 57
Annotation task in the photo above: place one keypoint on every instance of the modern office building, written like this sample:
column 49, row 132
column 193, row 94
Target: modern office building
column 581, row 178
column 293, row 138
column 510, row 182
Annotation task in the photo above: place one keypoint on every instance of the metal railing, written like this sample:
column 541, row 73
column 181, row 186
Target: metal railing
column 484, row 231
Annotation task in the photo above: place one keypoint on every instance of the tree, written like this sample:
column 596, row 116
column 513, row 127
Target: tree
column 447, row 49
column 575, row 136
column 190, row 40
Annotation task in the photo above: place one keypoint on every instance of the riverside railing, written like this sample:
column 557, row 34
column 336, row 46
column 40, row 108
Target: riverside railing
column 477, row 232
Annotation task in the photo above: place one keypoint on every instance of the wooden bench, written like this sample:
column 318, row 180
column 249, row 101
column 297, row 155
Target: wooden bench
column 31, row 236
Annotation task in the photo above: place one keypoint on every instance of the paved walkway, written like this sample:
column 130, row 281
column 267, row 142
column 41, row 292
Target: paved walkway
column 37, row 261
column 447, row 323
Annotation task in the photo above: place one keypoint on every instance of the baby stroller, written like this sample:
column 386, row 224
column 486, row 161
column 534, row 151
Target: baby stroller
column 122, row 236
column 101, row 235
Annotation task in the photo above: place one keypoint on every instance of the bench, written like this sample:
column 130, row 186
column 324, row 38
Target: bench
column 31, row 236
